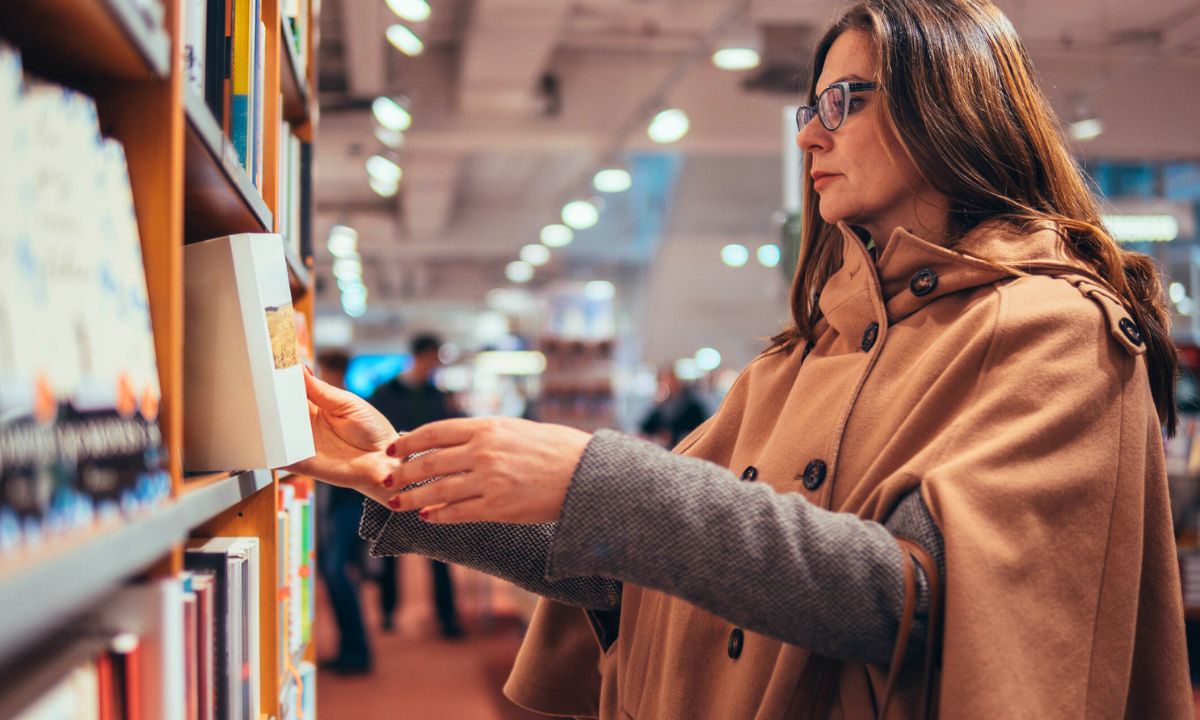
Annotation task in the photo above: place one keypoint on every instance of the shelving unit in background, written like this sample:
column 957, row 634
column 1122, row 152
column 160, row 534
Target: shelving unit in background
column 187, row 185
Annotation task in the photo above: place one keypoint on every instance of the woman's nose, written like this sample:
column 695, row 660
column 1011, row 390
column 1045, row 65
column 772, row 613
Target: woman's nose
column 813, row 136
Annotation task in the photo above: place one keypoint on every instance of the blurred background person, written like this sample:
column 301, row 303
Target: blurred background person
column 340, row 547
column 678, row 412
column 408, row 401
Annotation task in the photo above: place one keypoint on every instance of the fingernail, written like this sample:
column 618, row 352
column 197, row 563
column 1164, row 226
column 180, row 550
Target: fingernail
column 423, row 514
column 388, row 481
column 394, row 503
column 391, row 450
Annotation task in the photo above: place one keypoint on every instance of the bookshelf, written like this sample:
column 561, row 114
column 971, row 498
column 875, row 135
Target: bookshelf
column 188, row 184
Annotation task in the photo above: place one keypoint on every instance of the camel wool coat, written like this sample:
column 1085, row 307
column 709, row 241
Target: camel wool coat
column 1007, row 383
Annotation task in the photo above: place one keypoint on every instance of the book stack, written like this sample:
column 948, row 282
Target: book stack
column 224, row 53
column 295, row 31
column 296, row 560
column 224, row 647
column 79, row 387
column 240, row 358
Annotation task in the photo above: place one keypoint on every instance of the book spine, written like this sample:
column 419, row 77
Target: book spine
column 195, row 44
column 241, row 120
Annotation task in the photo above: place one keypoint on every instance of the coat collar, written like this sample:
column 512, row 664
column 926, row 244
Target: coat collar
column 913, row 272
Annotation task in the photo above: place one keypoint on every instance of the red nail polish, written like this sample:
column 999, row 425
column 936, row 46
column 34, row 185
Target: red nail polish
column 391, row 450
column 394, row 503
column 388, row 481
column 423, row 514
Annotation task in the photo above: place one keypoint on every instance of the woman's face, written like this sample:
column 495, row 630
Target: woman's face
column 860, row 171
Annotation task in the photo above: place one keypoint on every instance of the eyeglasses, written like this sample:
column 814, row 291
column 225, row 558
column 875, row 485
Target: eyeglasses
column 832, row 105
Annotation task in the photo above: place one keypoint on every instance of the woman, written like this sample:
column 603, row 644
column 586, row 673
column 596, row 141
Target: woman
column 966, row 414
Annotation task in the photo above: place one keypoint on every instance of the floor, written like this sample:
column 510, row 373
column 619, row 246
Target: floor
column 419, row 675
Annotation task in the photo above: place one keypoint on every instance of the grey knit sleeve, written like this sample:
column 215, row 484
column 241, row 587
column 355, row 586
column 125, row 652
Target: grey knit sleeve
column 770, row 562
column 516, row 553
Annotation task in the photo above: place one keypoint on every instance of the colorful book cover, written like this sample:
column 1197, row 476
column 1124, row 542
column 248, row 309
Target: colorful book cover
column 245, row 28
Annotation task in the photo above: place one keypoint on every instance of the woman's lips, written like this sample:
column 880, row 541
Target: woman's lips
column 820, row 179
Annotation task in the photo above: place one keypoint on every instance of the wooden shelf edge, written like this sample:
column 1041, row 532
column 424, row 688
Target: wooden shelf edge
column 121, row 43
column 45, row 589
column 298, row 275
column 297, row 100
column 220, row 154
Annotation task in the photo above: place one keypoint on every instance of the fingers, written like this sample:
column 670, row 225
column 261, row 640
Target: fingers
column 440, row 434
column 447, row 490
column 474, row 510
column 435, row 464
column 324, row 395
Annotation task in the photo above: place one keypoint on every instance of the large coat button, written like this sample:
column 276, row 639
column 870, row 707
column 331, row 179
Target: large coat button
column 814, row 474
column 1131, row 330
column 923, row 282
column 736, row 639
column 750, row 474
column 869, row 337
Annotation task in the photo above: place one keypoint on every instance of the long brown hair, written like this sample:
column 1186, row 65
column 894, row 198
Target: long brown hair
column 960, row 90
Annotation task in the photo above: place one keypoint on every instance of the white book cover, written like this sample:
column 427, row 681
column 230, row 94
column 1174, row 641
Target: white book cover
column 243, row 380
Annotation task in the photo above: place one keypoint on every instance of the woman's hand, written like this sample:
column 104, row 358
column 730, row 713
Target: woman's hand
column 351, row 439
column 500, row 470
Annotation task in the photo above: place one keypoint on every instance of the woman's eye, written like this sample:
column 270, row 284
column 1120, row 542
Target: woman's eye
column 857, row 104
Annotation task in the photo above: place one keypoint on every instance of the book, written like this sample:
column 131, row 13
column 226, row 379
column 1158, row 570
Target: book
column 235, row 564
column 75, row 697
column 195, row 46
column 240, row 358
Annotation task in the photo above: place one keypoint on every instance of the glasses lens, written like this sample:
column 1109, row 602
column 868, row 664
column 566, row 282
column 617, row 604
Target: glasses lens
column 804, row 115
column 832, row 106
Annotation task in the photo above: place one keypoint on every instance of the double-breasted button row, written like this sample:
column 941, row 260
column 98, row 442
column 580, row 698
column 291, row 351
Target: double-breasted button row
column 869, row 337
column 1131, row 330
column 736, row 639
column 923, row 282
column 750, row 474
column 814, row 474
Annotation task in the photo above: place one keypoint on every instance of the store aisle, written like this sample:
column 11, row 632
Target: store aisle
column 417, row 674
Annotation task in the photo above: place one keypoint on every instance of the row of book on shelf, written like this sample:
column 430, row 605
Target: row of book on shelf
column 189, row 647
column 79, row 386
column 225, row 63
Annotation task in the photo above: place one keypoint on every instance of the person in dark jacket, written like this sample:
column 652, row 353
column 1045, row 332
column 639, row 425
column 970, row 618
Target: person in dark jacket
column 340, row 547
column 409, row 401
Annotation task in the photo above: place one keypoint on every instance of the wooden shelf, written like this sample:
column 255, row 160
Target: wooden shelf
column 298, row 274
column 42, row 589
column 296, row 97
column 219, row 197
column 87, row 38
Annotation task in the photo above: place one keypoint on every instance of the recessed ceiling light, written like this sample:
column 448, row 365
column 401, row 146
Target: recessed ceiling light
column 411, row 10
column 519, row 271
column 580, row 214
column 736, row 58
column 557, row 236
column 383, row 169
column 735, row 255
column 612, row 180
column 405, row 40
column 536, row 255
column 768, row 255
column 668, row 126
column 391, row 114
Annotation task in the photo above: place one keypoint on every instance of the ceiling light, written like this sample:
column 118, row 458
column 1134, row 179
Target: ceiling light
column 768, row 255
column 736, row 58
column 391, row 138
column 708, row 359
column 1142, row 228
column 580, row 214
column 687, row 370
column 343, row 241
column 405, row 40
column 1177, row 292
column 348, row 283
column 512, row 362
column 354, row 308
column 383, row 169
column 1086, row 129
column 556, row 236
column 411, row 10
column 599, row 290
column 668, row 126
column 735, row 255
column 384, row 188
column 391, row 114
column 519, row 271
column 347, row 268
column 536, row 255
column 612, row 180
